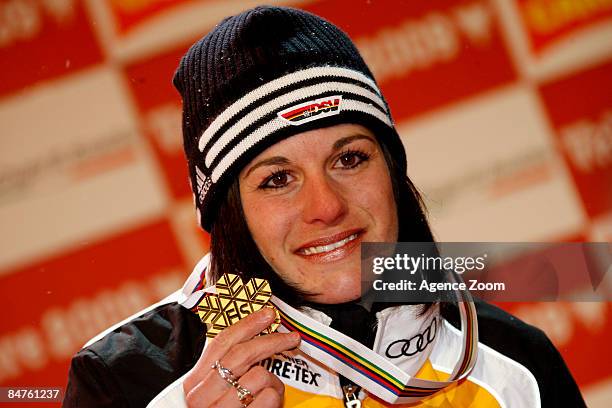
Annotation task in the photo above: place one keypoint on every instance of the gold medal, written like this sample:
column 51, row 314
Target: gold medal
column 234, row 301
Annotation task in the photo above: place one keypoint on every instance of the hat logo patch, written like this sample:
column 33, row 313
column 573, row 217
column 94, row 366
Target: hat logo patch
column 312, row 110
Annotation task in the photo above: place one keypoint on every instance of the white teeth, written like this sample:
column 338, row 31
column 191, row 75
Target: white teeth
column 330, row 247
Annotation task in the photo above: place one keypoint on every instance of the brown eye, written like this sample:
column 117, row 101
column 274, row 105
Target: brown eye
column 348, row 160
column 278, row 180
column 351, row 159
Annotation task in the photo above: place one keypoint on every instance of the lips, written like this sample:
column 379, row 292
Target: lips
column 331, row 247
column 326, row 248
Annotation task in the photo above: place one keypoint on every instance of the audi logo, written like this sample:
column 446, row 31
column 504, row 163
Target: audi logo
column 415, row 344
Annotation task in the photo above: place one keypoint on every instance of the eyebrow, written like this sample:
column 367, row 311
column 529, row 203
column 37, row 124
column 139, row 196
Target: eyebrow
column 280, row 160
column 340, row 143
column 276, row 160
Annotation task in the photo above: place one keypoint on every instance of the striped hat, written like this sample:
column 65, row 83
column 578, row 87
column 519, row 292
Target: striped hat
column 262, row 76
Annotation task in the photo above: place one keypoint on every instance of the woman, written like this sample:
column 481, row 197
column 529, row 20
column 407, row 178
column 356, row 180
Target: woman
column 294, row 162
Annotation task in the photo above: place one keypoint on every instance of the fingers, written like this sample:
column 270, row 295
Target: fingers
column 204, row 393
column 216, row 348
column 237, row 350
column 267, row 398
column 242, row 356
column 239, row 360
column 241, row 331
column 256, row 380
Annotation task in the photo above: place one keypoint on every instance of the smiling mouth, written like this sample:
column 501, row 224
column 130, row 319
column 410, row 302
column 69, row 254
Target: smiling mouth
column 327, row 248
column 329, row 244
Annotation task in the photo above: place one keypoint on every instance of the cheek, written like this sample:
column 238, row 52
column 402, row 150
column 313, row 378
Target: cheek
column 391, row 213
column 269, row 222
column 376, row 197
column 376, row 193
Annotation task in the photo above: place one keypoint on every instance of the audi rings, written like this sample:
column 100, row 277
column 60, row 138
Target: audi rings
column 244, row 396
column 415, row 344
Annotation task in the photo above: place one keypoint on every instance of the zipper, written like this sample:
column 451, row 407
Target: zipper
column 351, row 393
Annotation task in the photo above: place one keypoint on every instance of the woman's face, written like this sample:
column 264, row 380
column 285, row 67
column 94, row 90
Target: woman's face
column 311, row 199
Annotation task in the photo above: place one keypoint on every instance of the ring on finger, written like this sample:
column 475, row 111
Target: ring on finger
column 244, row 396
column 225, row 373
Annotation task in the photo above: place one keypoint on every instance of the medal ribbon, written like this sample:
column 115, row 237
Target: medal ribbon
column 369, row 369
column 355, row 361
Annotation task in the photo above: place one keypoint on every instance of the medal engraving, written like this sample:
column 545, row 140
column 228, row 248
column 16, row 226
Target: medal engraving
column 234, row 301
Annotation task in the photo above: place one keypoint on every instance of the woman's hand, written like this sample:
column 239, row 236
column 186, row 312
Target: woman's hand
column 237, row 349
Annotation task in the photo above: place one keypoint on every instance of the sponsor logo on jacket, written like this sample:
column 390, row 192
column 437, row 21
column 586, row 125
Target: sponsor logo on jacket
column 291, row 368
column 414, row 345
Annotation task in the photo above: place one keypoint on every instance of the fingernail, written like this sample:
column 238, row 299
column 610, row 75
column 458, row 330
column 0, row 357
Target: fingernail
column 295, row 337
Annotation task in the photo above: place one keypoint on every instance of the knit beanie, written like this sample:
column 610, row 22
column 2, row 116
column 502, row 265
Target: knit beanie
column 262, row 76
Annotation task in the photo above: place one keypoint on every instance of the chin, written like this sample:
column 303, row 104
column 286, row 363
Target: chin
column 339, row 292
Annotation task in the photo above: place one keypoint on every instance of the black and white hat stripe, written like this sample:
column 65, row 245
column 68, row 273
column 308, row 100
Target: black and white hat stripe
column 277, row 124
column 262, row 93
column 327, row 96
column 277, row 104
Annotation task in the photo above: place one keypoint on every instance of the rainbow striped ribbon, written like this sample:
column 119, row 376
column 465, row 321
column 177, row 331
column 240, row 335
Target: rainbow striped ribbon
column 367, row 368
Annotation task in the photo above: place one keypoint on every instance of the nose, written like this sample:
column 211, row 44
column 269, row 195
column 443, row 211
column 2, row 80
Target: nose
column 323, row 201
